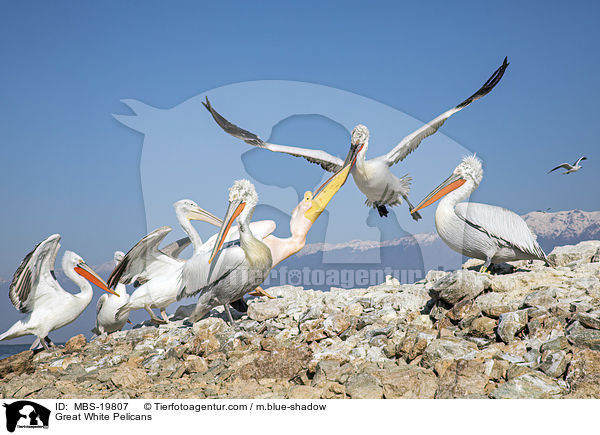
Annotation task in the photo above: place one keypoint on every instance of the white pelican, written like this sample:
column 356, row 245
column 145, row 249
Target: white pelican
column 373, row 177
column 34, row 290
column 107, row 306
column 250, row 252
column 239, row 268
column 570, row 168
column 482, row 231
column 156, row 272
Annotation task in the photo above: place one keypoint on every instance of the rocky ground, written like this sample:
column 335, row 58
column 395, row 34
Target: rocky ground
column 533, row 332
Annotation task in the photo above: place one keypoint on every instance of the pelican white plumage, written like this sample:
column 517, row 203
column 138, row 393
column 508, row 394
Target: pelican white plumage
column 482, row 231
column 244, row 255
column 157, row 272
column 34, row 290
column 570, row 168
column 239, row 268
column 373, row 177
column 106, row 309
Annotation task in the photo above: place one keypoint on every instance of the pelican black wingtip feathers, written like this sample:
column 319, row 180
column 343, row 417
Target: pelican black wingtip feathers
column 488, row 85
column 245, row 135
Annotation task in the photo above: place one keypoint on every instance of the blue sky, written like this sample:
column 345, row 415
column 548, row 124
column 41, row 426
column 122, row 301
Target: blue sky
column 68, row 166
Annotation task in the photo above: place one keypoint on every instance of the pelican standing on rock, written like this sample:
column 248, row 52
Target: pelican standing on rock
column 482, row 231
column 570, row 168
column 157, row 272
column 34, row 290
column 106, row 319
column 373, row 177
column 239, row 268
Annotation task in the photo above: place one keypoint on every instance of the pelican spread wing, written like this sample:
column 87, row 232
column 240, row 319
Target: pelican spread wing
column 504, row 226
column 37, row 265
column 143, row 261
column 566, row 166
column 327, row 161
column 198, row 279
column 412, row 141
column 175, row 249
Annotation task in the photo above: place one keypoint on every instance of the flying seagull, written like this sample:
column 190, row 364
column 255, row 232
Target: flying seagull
column 570, row 168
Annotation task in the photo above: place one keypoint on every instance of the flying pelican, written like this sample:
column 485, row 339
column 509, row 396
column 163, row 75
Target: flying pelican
column 482, row 231
column 570, row 168
column 106, row 321
column 34, row 290
column 373, row 177
column 156, row 272
column 251, row 251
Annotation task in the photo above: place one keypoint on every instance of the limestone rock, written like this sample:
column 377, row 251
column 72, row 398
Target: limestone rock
column 129, row 377
column 75, row 343
column 583, row 375
column 283, row 364
column 364, row 386
column 589, row 320
column 483, row 327
column 533, row 385
column 462, row 284
column 407, row 382
column 304, row 392
column 17, row 364
column 335, row 324
column 554, row 363
column 584, row 252
column 510, row 324
column 261, row 310
column 462, row 379
column 583, row 337
column 195, row 364
column 449, row 348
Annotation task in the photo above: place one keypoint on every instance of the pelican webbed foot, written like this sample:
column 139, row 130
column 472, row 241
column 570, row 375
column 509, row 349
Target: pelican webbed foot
column 153, row 317
column 35, row 343
column 259, row 291
column 164, row 315
column 382, row 210
column 43, row 342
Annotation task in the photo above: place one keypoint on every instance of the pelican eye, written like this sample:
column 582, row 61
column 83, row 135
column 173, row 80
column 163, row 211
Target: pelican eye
column 308, row 195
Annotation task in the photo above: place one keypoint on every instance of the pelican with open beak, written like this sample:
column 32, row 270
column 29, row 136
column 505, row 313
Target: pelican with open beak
column 490, row 233
column 34, row 290
column 241, row 261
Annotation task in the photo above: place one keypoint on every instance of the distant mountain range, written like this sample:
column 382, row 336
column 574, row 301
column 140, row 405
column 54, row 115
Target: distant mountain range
column 564, row 227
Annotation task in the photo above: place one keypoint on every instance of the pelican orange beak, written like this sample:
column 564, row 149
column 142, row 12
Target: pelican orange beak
column 329, row 188
column 199, row 214
column 451, row 183
column 233, row 211
column 86, row 271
